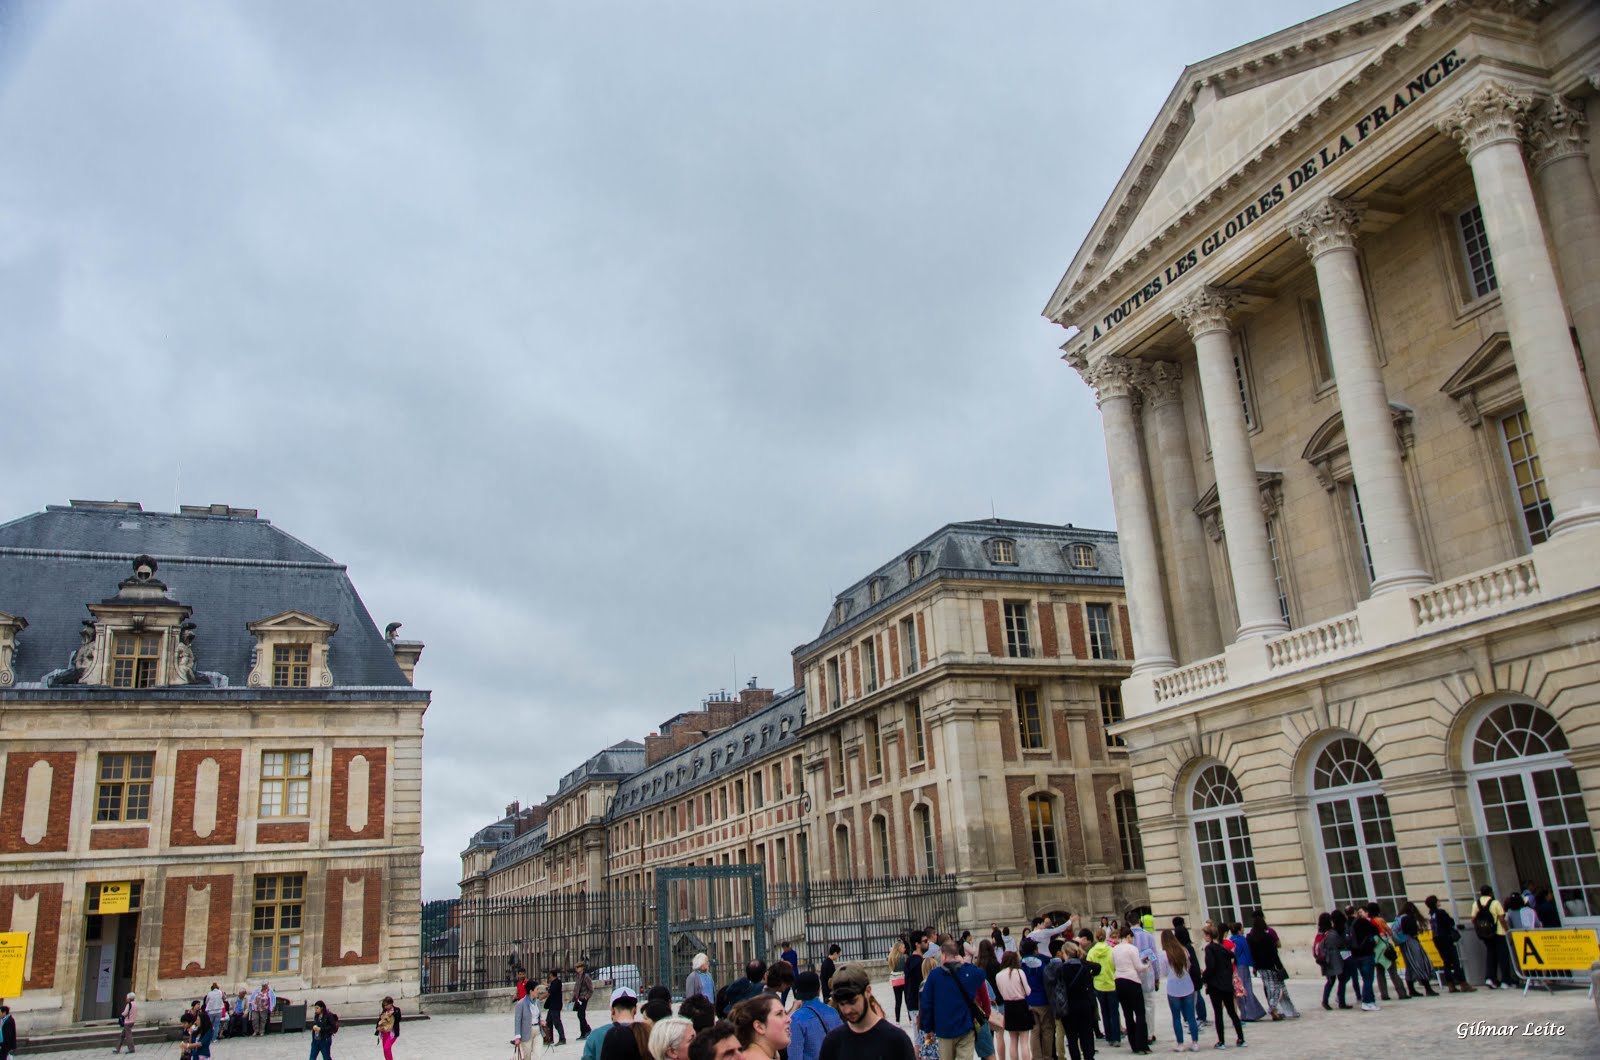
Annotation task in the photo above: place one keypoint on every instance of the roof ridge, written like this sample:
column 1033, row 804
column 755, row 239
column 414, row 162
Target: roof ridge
column 215, row 561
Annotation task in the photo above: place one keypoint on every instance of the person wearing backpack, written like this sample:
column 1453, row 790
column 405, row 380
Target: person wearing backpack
column 324, row 1025
column 1329, row 949
column 1489, row 924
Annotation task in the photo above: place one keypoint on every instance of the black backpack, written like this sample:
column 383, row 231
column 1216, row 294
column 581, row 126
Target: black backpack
column 1483, row 920
column 330, row 1024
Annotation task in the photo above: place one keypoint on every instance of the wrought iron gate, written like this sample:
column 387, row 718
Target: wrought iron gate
column 718, row 910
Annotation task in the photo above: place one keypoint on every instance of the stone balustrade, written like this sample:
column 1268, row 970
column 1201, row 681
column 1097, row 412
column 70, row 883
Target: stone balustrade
column 1314, row 643
column 1188, row 680
column 1479, row 593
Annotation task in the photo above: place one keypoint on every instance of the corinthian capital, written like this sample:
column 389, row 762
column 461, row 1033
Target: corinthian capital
column 1113, row 377
column 1491, row 113
column 1328, row 225
column 1163, row 383
column 1560, row 130
column 1206, row 310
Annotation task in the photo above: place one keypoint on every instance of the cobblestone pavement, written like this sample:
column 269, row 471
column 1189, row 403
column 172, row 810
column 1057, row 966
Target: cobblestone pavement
column 1402, row 1030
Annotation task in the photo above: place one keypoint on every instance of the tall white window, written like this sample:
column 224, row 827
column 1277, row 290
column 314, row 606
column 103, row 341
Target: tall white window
column 1017, row 643
column 880, row 841
column 919, row 740
column 874, row 742
column 1030, row 721
column 908, row 643
column 1111, row 713
column 833, row 683
column 1042, row 827
column 1128, row 832
column 1475, row 246
column 1527, row 477
column 869, row 662
column 1359, row 520
column 924, row 819
column 1358, row 844
column 1222, row 841
column 1279, row 583
column 1101, row 644
column 1532, row 808
column 841, row 846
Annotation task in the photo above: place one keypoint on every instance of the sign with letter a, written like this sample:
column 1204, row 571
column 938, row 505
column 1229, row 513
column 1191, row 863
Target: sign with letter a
column 1556, row 950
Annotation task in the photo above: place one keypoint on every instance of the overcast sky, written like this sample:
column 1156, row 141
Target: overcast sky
column 604, row 342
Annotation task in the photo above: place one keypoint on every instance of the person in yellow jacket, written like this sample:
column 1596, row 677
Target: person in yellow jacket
column 1105, row 988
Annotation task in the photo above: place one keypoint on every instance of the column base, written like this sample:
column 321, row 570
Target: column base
column 1402, row 581
column 1582, row 519
column 1261, row 630
column 1154, row 664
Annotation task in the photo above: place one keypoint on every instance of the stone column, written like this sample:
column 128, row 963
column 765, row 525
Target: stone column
column 1196, row 613
column 1488, row 122
column 1205, row 314
column 1114, row 380
column 1328, row 232
column 1559, row 138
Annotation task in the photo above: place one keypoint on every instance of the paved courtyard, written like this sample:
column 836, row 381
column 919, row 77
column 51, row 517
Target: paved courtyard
column 1423, row 1028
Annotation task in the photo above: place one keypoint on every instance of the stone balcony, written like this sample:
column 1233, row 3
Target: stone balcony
column 1565, row 567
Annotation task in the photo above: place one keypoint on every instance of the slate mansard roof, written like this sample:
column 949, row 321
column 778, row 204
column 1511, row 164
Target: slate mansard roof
column 961, row 550
column 768, row 730
column 232, row 569
column 622, row 759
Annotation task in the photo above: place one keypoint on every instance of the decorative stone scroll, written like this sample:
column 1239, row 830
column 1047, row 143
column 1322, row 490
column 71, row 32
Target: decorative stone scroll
column 1331, row 224
column 1491, row 113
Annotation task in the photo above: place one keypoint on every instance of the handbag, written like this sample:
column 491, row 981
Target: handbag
column 928, row 1049
column 1238, row 984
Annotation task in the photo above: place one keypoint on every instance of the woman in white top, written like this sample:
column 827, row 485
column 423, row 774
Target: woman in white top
column 1012, row 982
column 1173, row 961
column 1127, row 964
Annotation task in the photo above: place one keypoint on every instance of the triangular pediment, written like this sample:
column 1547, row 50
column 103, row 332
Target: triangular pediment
column 13, row 620
column 291, row 621
column 1489, row 363
column 1222, row 123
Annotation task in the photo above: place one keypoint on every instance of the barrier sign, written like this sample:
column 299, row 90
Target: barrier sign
column 1426, row 938
column 13, row 958
column 1555, row 950
column 114, row 898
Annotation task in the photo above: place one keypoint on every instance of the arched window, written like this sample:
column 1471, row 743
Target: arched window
column 880, row 840
column 924, row 818
column 1358, row 845
column 1042, row 825
column 1531, row 806
column 841, row 848
column 1222, row 840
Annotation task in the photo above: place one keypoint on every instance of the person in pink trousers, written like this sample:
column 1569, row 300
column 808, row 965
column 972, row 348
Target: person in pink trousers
column 388, row 1028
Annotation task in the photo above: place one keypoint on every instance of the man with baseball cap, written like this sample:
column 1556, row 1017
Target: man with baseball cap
column 623, row 1004
column 866, row 1035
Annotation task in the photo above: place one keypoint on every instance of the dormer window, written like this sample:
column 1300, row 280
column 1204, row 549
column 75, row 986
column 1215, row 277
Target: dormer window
column 291, row 651
column 1081, row 556
column 875, row 589
column 291, row 666
column 916, row 564
column 135, row 659
column 1002, row 550
column 841, row 609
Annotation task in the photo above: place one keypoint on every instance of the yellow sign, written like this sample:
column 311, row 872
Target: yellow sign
column 1556, row 950
column 114, row 897
column 13, row 958
column 1426, row 938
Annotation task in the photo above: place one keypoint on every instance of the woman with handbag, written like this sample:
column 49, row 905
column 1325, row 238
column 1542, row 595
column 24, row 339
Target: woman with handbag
column 1250, row 1008
column 897, row 975
column 126, row 1020
column 1012, row 984
column 1269, row 965
column 1219, row 983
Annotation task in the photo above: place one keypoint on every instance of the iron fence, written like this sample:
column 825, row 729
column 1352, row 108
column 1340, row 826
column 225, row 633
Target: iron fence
column 494, row 942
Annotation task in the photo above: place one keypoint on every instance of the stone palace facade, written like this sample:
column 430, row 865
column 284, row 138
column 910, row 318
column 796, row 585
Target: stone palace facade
column 211, row 766
column 1342, row 318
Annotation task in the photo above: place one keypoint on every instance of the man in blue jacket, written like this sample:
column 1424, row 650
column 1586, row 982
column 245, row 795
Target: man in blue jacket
column 955, row 996
column 811, row 1020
